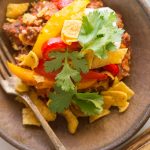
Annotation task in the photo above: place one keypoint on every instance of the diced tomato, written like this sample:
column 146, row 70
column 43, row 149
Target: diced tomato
column 112, row 68
column 94, row 75
column 62, row 3
column 40, row 70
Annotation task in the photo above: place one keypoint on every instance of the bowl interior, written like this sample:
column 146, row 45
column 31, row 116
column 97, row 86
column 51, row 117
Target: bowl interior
column 108, row 131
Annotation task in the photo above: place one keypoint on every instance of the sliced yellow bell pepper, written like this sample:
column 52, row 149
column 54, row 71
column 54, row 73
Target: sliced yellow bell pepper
column 27, row 76
column 54, row 25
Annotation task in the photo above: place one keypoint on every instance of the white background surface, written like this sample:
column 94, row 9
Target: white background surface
column 6, row 146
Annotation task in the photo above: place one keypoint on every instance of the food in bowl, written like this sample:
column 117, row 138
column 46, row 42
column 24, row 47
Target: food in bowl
column 71, row 57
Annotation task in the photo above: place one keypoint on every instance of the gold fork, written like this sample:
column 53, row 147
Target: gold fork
column 7, row 82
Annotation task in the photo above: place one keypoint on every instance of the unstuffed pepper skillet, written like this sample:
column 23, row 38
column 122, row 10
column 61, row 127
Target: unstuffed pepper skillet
column 71, row 57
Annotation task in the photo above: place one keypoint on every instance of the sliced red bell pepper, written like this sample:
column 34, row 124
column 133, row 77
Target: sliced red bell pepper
column 56, row 44
column 75, row 46
column 94, row 75
column 40, row 70
column 62, row 3
column 51, row 75
column 112, row 68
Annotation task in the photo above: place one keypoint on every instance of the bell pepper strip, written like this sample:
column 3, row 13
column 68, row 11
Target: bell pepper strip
column 85, row 77
column 56, row 44
column 55, row 23
column 75, row 46
column 85, row 84
column 111, row 76
column 27, row 76
column 112, row 68
column 40, row 70
column 94, row 75
column 61, row 3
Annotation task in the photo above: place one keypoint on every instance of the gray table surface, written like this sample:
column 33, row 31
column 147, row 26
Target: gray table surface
column 6, row 146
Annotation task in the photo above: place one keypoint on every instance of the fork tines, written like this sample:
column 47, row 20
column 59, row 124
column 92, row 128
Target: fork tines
column 5, row 56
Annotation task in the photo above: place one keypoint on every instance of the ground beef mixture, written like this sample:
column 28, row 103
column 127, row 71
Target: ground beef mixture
column 23, row 31
column 95, row 4
column 125, row 66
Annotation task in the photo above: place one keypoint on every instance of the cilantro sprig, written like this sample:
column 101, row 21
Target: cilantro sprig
column 56, row 61
column 72, row 63
column 89, row 103
column 98, row 32
column 60, row 99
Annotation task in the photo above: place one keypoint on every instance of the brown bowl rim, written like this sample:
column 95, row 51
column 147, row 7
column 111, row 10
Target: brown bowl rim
column 116, row 144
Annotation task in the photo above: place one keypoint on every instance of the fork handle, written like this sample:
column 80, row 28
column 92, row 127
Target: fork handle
column 52, row 136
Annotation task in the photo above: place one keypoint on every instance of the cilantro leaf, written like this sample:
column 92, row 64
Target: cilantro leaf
column 89, row 103
column 60, row 100
column 79, row 62
column 99, row 33
column 65, row 77
column 88, row 108
column 55, row 63
column 89, row 28
column 70, row 72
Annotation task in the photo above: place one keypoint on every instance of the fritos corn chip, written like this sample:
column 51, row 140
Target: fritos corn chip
column 102, row 114
column 72, row 121
column 48, row 115
column 70, row 31
column 120, row 98
column 30, row 60
column 122, row 109
column 15, row 10
column 108, row 102
column 122, row 87
column 29, row 117
column 114, row 57
column 118, row 95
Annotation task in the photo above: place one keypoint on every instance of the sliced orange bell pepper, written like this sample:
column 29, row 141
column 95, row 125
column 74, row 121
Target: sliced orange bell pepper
column 54, row 25
column 86, row 84
column 28, row 76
